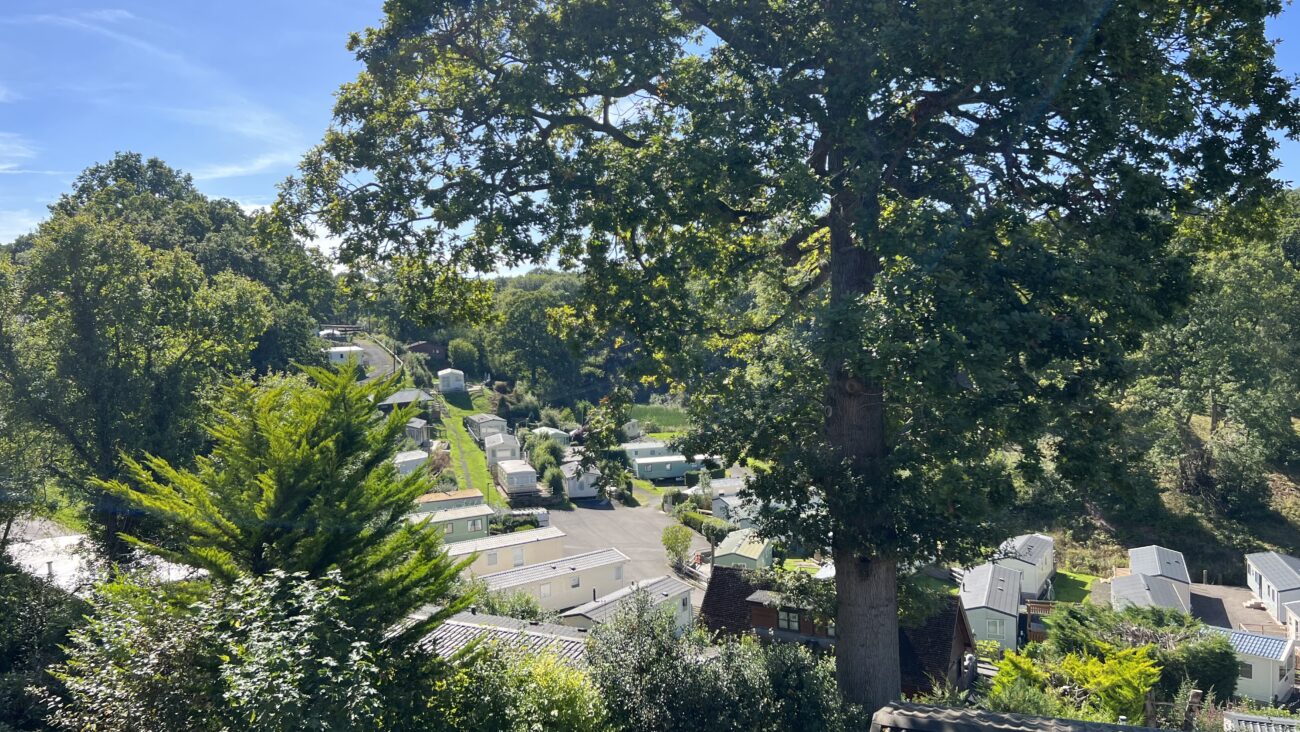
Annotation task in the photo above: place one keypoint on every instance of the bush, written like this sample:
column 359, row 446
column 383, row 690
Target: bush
column 518, row 605
column 554, row 479
column 677, row 543
column 34, row 625
column 693, row 519
column 514, row 691
column 463, row 355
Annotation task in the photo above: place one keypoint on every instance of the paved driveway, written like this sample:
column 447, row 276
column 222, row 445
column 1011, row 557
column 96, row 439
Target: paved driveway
column 637, row 532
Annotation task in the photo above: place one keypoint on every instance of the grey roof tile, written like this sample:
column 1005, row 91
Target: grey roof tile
column 1143, row 590
column 1026, row 547
column 1254, row 644
column 1281, row 570
column 659, row 590
column 993, row 587
column 557, row 568
column 1157, row 561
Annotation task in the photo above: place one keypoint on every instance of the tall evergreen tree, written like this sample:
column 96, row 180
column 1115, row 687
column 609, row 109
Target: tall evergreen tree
column 301, row 479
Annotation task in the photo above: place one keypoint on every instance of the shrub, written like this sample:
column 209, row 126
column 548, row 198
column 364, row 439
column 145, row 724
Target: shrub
column 463, row 355
column 677, row 542
column 512, row 691
column 554, row 479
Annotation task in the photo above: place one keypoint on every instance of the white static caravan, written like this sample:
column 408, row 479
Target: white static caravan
column 340, row 354
column 580, row 483
column 1275, row 579
column 1265, row 663
column 1035, row 556
column 567, row 582
column 410, row 461
column 516, row 477
column 506, row 551
column 483, row 426
column 501, row 447
column 663, row 592
column 559, row 437
column 1157, row 561
column 450, row 380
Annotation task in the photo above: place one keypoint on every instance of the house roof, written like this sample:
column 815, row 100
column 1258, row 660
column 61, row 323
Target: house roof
column 641, row 444
column 449, row 372
column 657, row 459
column 1144, row 590
column 516, row 466
column 440, row 496
column 549, row 431
column 454, row 514
column 725, row 485
column 500, row 439
column 407, row 396
column 344, row 349
column 573, row 468
column 725, row 609
column 1157, row 561
column 924, row 651
column 743, row 542
column 993, row 587
column 910, row 717
column 543, row 571
column 1281, row 570
column 485, row 418
column 461, row 629
column 504, row 541
column 1028, row 548
column 416, row 422
column 1254, row 644
column 407, row 456
column 1293, row 607
column 1242, row 722
column 659, row 590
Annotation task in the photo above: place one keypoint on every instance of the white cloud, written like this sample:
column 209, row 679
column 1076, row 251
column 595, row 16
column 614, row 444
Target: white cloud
column 252, row 166
column 14, row 148
column 15, row 223
column 8, row 95
column 108, row 15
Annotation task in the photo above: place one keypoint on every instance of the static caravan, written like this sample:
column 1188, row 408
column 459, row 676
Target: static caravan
column 483, row 426
column 663, row 592
column 580, row 482
column 1142, row 590
column 410, row 461
column 505, row 551
column 559, row 437
column 1035, row 556
column 567, row 582
column 1275, row 579
column 744, row 549
column 458, row 524
column 1157, row 561
column 516, row 477
column 450, row 380
column 1265, row 663
column 443, row 500
column 501, row 447
column 663, row 467
column 643, row 449
column 338, row 355
column 991, row 596
column 417, row 430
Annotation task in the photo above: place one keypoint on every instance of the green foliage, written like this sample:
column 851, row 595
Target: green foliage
column 677, row 542
column 653, row 678
column 301, row 479
column 33, row 629
column 266, row 653
column 518, row 605
column 1077, row 686
column 714, row 530
column 1116, row 685
column 463, row 355
column 868, row 243
column 510, row 691
column 1180, row 645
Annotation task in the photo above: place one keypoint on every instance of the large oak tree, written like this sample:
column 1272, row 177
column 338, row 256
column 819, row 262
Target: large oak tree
column 922, row 232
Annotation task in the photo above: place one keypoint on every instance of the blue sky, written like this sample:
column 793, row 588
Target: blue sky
column 232, row 92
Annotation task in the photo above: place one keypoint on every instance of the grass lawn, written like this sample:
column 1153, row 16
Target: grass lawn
column 462, row 444
column 799, row 565
column 669, row 418
column 664, row 436
column 1073, row 586
column 934, row 583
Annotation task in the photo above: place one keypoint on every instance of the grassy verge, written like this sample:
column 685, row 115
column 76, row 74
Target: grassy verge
column 463, row 444
column 799, row 565
column 1073, row 586
column 669, row 418
column 935, row 584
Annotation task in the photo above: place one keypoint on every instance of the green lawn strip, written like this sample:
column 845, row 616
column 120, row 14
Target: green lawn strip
column 669, row 418
column 647, row 486
column 934, row 583
column 1073, row 586
column 799, row 565
column 462, row 443
column 664, row 436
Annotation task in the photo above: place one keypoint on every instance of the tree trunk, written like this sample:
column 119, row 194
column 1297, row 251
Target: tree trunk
column 866, row 655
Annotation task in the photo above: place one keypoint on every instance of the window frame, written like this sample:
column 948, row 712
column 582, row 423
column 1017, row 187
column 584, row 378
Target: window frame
column 783, row 619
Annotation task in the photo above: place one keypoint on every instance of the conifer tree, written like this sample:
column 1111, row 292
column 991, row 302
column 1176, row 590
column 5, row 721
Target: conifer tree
column 301, row 479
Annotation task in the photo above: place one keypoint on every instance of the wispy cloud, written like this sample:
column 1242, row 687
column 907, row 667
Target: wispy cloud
column 15, row 223
column 226, row 108
column 14, row 148
column 8, row 95
column 252, row 166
